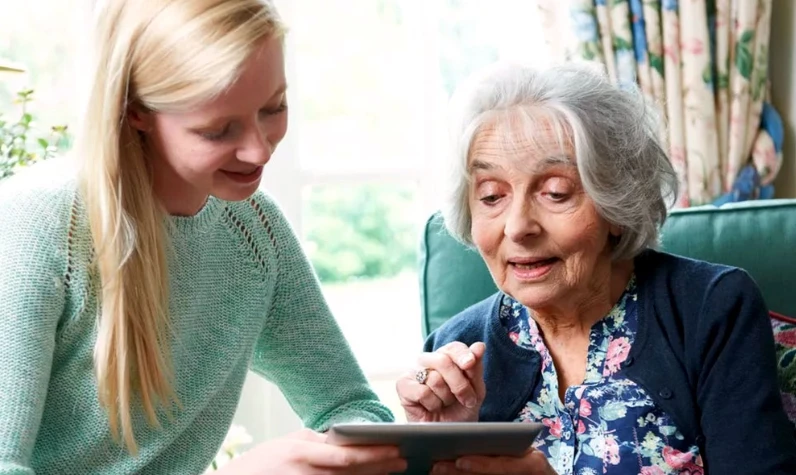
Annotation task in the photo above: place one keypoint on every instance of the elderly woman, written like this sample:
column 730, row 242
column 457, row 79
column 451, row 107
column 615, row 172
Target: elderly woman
column 634, row 360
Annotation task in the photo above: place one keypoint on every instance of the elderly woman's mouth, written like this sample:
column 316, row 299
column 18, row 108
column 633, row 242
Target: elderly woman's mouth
column 532, row 269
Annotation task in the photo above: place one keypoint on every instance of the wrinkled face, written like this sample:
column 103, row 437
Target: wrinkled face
column 538, row 231
column 219, row 148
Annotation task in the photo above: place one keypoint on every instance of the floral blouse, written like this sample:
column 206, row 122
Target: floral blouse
column 608, row 424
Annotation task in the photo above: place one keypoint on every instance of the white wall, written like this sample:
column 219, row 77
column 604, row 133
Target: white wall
column 782, row 67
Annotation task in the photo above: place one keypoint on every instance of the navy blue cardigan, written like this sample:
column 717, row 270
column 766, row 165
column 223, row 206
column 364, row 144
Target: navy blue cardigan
column 704, row 352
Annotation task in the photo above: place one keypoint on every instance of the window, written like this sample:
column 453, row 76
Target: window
column 42, row 36
column 369, row 86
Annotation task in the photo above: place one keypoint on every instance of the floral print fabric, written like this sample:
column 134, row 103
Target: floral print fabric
column 608, row 424
column 704, row 63
column 785, row 340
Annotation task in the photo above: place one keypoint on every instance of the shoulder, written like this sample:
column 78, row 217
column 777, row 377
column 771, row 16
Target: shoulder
column 699, row 298
column 260, row 209
column 469, row 325
column 40, row 202
column 691, row 281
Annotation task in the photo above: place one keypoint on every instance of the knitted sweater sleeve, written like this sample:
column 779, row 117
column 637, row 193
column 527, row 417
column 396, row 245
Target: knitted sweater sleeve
column 33, row 249
column 302, row 349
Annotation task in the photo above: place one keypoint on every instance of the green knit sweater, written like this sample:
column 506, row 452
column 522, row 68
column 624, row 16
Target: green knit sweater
column 243, row 296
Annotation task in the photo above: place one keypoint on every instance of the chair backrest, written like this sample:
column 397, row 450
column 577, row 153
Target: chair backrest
column 759, row 236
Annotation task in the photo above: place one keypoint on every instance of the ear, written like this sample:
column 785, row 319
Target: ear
column 615, row 231
column 139, row 118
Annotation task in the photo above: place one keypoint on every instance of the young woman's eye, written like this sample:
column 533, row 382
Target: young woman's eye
column 278, row 110
column 217, row 135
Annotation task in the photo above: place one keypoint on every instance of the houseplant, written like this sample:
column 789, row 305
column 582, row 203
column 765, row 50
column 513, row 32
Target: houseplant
column 21, row 143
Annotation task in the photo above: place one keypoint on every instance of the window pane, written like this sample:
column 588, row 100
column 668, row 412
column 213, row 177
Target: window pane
column 358, row 84
column 373, row 80
column 362, row 241
column 42, row 36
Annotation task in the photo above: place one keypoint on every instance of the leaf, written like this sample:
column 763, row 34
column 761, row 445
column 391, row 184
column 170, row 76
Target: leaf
column 26, row 119
column 668, row 431
column 656, row 62
column 586, row 52
column 621, row 44
column 747, row 36
column 707, row 75
column 25, row 95
column 589, row 51
column 44, row 143
column 612, row 411
column 743, row 54
column 587, row 450
column 723, row 81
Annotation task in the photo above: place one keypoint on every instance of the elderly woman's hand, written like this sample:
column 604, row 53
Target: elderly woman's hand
column 453, row 390
column 532, row 463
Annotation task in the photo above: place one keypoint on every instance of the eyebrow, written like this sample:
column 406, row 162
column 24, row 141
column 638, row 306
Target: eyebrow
column 546, row 163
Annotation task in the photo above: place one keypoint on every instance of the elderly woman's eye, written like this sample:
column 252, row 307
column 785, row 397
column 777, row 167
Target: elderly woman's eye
column 557, row 196
column 490, row 200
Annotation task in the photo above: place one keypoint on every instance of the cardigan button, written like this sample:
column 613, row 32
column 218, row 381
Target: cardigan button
column 665, row 393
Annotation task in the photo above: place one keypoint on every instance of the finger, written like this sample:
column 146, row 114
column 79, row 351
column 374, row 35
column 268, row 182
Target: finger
column 380, row 468
column 413, row 394
column 460, row 353
column 440, row 388
column 478, row 349
column 533, row 462
column 308, row 435
column 452, row 374
column 447, row 468
column 332, row 456
column 476, row 373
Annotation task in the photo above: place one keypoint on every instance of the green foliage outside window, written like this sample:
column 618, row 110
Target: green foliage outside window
column 361, row 232
column 21, row 144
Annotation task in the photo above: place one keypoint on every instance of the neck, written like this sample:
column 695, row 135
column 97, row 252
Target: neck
column 178, row 197
column 576, row 316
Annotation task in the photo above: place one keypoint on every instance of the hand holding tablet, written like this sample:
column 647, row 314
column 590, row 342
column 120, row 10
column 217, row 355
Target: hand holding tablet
column 424, row 444
column 442, row 398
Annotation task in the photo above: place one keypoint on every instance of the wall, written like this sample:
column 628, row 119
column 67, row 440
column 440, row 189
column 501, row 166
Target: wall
column 782, row 68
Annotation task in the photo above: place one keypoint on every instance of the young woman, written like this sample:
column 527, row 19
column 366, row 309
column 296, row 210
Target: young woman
column 136, row 293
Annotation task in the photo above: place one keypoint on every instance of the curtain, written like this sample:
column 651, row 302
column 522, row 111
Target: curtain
column 704, row 64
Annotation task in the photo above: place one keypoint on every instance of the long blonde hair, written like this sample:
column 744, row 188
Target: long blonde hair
column 160, row 55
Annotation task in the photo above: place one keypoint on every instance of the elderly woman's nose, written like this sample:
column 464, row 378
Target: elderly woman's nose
column 521, row 221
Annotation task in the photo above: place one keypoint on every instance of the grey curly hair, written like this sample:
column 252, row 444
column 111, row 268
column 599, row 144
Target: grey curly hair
column 621, row 162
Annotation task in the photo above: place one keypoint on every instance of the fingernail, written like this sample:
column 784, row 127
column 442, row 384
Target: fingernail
column 462, row 464
column 439, row 469
column 466, row 359
column 469, row 403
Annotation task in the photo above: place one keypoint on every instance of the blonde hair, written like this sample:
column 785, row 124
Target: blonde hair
column 160, row 55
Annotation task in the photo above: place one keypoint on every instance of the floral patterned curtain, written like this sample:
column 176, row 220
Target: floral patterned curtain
column 704, row 63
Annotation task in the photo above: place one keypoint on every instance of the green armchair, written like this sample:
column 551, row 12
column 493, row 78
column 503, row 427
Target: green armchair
column 759, row 236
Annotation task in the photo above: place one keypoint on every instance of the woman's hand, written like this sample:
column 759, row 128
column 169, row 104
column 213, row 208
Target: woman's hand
column 307, row 453
column 532, row 463
column 454, row 389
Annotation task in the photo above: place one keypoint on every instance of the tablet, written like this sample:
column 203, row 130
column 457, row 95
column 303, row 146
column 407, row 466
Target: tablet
column 424, row 443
